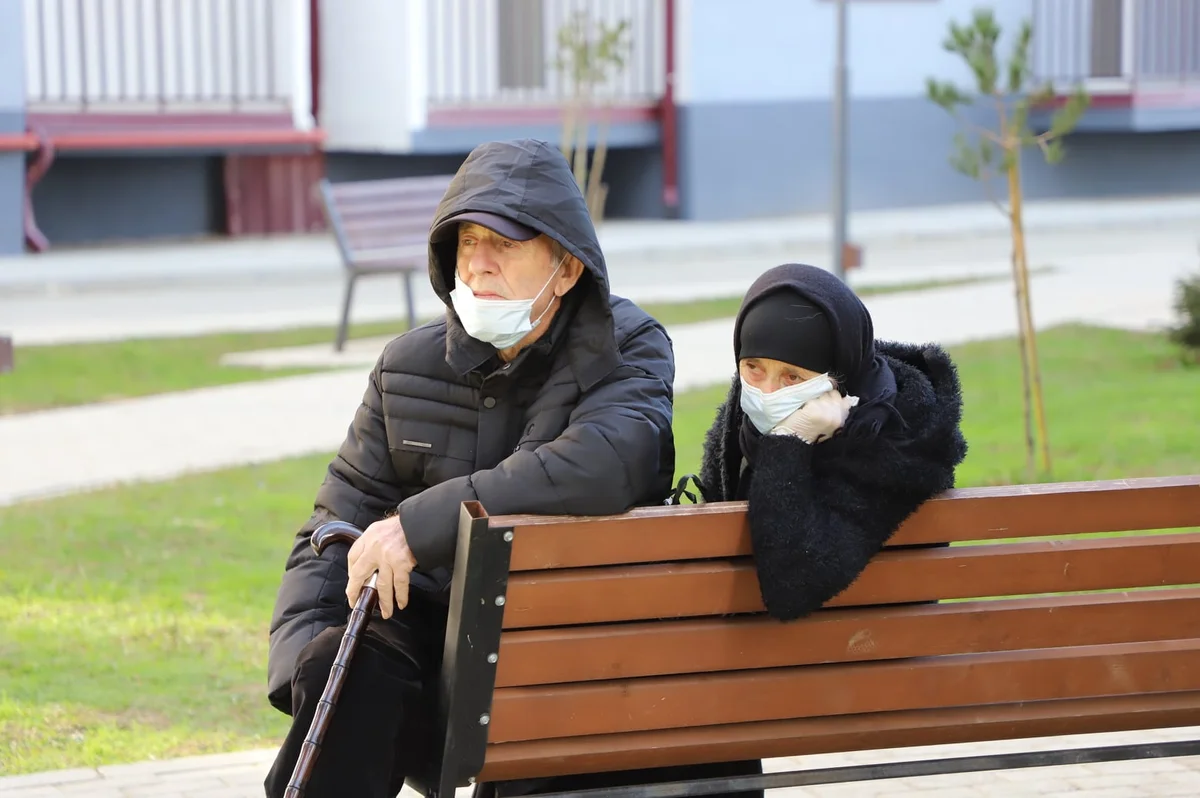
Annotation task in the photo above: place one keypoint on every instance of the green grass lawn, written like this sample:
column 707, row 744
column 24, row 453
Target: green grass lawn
column 133, row 621
column 72, row 374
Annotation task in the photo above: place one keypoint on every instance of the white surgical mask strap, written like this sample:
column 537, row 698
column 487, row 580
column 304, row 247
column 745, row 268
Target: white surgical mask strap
column 542, row 315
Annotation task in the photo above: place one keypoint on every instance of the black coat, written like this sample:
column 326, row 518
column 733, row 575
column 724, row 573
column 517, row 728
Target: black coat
column 819, row 513
column 579, row 423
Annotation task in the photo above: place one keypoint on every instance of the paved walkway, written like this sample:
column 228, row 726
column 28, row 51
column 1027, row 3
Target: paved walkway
column 240, row 775
column 178, row 289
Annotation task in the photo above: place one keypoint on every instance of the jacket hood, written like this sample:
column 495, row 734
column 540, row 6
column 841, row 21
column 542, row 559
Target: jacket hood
column 527, row 181
column 530, row 182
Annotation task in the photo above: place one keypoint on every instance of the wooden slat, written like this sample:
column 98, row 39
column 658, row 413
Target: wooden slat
column 384, row 240
column 659, row 534
column 838, row 734
column 430, row 196
column 654, row 648
column 390, row 216
column 372, row 189
column 653, row 534
column 538, row 713
column 642, row 592
column 411, row 255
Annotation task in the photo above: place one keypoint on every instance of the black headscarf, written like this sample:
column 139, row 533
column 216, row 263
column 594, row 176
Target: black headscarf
column 859, row 370
column 785, row 326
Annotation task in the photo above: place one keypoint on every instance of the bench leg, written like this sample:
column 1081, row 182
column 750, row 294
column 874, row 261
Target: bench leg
column 408, row 297
column 344, row 325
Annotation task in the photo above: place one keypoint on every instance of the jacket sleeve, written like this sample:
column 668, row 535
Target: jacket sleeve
column 616, row 452
column 360, row 487
column 818, row 517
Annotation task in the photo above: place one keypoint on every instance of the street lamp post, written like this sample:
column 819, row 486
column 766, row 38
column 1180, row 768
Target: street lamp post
column 840, row 81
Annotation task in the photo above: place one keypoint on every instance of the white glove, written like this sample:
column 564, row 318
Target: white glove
column 819, row 419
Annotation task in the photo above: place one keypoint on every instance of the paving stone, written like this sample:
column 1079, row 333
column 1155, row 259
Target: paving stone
column 53, row 777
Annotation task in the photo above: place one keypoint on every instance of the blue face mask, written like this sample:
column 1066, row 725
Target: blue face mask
column 766, row 410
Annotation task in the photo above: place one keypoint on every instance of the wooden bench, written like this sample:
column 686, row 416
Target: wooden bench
column 382, row 227
column 581, row 645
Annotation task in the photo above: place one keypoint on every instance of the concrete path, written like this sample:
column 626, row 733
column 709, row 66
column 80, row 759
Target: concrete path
column 271, row 283
column 214, row 260
column 240, row 775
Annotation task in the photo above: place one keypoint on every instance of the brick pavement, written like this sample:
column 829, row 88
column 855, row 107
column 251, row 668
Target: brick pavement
column 239, row 775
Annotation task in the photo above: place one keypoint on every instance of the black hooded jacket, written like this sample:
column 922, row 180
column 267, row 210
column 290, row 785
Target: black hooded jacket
column 818, row 513
column 579, row 423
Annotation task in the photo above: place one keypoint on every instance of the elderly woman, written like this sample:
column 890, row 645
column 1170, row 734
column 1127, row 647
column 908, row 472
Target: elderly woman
column 832, row 437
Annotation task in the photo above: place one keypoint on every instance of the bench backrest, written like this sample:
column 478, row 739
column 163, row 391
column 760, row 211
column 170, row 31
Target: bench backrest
column 383, row 222
column 640, row 640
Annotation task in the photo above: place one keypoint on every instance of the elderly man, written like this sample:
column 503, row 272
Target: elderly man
column 538, row 392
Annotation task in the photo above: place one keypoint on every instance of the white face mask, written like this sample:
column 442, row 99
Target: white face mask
column 765, row 410
column 499, row 322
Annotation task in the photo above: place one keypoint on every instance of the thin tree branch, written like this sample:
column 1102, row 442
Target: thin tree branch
column 1005, row 211
column 977, row 129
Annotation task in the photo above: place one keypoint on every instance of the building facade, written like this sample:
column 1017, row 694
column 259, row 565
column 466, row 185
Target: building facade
column 136, row 119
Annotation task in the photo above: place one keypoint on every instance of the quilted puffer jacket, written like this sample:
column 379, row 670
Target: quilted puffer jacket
column 579, row 423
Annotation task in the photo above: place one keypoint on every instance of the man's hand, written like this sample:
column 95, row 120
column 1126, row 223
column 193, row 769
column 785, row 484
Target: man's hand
column 818, row 419
column 382, row 548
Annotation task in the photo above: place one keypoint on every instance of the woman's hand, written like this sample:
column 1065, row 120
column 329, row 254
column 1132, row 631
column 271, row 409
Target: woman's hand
column 819, row 419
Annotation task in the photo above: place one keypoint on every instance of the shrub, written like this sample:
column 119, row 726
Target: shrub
column 1187, row 305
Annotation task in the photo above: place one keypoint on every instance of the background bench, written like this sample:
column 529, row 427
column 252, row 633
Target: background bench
column 584, row 645
column 382, row 227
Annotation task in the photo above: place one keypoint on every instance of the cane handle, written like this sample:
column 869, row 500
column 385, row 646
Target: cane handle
column 334, row 532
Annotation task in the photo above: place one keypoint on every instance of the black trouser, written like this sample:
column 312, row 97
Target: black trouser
column 379, row 734
column 380, row 731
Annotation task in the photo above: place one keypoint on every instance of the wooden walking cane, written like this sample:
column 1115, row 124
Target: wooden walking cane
column 322, row 537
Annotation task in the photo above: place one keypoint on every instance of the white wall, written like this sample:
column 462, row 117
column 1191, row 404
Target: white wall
column 372, row 73
column 783, row 50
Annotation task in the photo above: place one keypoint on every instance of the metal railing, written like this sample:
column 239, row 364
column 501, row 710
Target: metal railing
column 157, row 55
column 503, row 52
column 1117, row 44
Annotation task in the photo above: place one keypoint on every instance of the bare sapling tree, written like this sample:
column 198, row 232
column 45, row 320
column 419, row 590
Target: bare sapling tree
column 590, row 54
column 1005, row 94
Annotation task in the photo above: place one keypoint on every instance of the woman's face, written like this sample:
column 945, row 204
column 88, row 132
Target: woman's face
column 769, row 375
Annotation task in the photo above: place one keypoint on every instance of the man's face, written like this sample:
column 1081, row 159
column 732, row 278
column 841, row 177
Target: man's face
column 495, row 267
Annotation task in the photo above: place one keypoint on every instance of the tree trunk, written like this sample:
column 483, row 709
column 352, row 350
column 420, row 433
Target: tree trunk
column 1029, row 353
column 582, row 131
column 7, row 354
column 571, row 115
column 1023, row 333
column 595, row 189
column 568, row 130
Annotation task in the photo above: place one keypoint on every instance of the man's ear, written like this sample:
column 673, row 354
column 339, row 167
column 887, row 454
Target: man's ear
column 568, row 275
